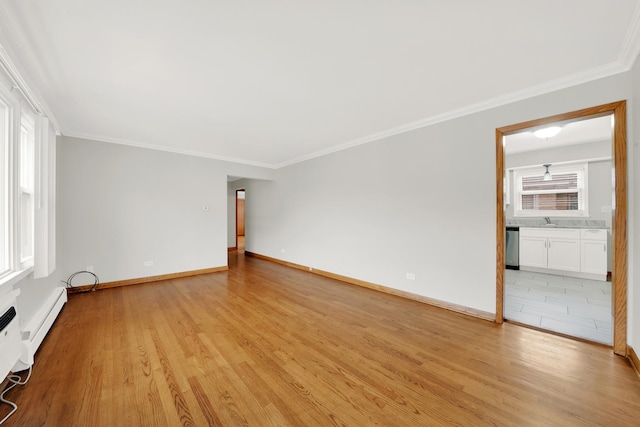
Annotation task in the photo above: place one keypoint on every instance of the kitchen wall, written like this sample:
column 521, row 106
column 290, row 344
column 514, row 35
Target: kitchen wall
column 599, row 184
column 600, row 189
column 422, row 202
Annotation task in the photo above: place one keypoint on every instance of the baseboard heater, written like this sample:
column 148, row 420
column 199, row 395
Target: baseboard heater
column 33, row 333
column 9, row 333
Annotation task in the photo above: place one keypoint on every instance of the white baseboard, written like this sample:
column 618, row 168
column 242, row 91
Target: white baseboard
column 34, row 332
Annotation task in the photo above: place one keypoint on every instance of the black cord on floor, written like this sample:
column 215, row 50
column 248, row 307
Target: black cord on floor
column 73, row 290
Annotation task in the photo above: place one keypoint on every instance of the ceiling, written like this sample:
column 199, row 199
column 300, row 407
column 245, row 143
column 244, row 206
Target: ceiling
column 271, row 83
column 572, row 133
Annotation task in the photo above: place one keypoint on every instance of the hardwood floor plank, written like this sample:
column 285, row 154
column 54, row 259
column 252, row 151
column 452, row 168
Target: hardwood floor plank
column 165, row 388
column 204, row 403
column 267, row 345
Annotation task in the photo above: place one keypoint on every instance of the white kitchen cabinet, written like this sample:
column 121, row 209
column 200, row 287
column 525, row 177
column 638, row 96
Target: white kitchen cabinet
column 556, row 249
column 563, row 254
column 573, row 252
column 593, row 252
column 533, row 251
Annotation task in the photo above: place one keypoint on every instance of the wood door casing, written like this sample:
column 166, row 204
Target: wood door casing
column 240, row 217
column 619, row 226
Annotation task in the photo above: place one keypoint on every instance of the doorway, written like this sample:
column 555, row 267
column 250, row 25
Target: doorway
column 240, row 220
column 618, row 211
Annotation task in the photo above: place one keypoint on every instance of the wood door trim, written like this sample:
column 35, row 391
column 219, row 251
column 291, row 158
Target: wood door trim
column 619, row 225
column 633, row 358
column 238, row 190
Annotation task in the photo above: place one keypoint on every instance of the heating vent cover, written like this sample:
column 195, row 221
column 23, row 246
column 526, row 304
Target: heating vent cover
column 7, row 317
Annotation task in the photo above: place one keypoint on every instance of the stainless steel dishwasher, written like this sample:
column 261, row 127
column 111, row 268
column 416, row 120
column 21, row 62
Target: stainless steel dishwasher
column 512, row 248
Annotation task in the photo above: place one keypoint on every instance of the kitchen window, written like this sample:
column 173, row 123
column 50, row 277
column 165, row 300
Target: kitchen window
column 562, row 194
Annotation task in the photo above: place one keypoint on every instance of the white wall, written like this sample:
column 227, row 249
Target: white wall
column 421, row 202
column 120, row 206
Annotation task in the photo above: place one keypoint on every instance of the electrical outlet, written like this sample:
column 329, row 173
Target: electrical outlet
column 148, row 263
column 411, row 276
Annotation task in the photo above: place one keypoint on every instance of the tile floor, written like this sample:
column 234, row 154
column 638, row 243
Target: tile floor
column 568, row 305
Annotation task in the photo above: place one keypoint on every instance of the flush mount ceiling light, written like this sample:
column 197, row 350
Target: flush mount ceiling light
column 547, row 133
column 547, row 175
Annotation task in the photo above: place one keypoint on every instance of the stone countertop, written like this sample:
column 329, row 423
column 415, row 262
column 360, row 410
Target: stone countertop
column 582, row 227
column 557, row 223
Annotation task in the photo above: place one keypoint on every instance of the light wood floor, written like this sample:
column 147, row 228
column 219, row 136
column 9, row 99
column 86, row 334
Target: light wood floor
column 264, row 345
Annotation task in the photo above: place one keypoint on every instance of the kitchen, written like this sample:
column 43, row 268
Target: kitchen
column 558, row 214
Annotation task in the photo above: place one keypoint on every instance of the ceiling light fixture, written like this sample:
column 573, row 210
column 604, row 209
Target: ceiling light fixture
column 547, row 175
column 547, row 133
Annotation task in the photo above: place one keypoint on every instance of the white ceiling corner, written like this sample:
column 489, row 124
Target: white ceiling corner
column 10, row 45
column 272, row 86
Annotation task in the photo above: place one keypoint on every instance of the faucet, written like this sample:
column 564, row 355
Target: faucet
column 546, row 218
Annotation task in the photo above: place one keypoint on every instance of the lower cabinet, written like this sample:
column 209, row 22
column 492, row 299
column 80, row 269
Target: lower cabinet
column 593, row 252
column 563, row 254
column 533, row 251
column 577, row 252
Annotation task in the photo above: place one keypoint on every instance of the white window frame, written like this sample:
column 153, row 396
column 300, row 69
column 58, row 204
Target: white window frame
column 581, row 168
column 13, row 218
column 26, row 186
column 6, row 179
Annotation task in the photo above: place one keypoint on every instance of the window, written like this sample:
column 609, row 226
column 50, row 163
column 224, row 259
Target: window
column 5, row 262
column 26, row 188
column 18, row 189
column 27, row 182
column 563, row 194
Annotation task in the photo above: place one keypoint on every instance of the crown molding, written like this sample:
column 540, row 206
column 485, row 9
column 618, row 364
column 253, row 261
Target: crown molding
column 533, row 91
column 606, row 70
column 631, row 44
column 11, row 44
column 164, row 148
